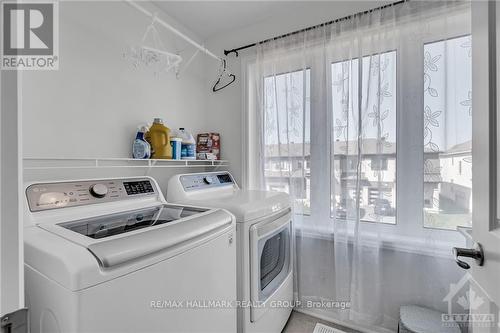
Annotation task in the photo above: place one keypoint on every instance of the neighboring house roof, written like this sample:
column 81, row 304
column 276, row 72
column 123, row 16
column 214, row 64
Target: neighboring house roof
column 288, row 150
column 432, row 169
column 432, row 178
column 286, row 174
column 428, row 177
column 369, row 147
column 464, row 148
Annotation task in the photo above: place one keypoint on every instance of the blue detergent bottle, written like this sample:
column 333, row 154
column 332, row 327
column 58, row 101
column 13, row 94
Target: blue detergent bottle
column 141, row 149
column 188, row 146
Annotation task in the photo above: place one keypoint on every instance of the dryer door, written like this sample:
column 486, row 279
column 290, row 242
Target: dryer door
column 270, row 260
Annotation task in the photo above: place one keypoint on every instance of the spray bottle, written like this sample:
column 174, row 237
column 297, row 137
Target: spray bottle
column 141, row 149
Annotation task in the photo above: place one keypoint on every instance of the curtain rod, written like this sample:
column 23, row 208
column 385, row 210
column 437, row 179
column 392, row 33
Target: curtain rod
column 236, row 50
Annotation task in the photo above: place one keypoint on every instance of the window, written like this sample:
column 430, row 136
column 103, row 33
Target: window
column 448, row 133
column 376, row 155
column 287, row 135
column 382, row 146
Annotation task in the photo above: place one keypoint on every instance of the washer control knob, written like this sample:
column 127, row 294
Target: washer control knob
column 98, row 190
column 208, row 180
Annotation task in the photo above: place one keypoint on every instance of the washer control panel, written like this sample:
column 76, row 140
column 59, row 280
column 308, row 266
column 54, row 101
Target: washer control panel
column 203, row 181
column 69, row 194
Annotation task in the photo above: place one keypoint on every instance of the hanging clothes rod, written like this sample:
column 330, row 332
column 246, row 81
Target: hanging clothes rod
column 174, row 30
column 236, row 50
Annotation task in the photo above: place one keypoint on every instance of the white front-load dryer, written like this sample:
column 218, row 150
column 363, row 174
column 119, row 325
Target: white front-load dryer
column 264, row 245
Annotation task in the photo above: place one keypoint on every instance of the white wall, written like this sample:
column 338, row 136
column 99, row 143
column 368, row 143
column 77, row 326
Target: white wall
column 93, row 104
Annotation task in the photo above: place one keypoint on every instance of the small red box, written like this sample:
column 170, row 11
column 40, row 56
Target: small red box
column 208, row 146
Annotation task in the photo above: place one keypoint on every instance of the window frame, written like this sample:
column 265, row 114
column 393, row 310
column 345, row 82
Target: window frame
column 409, row 233
column 340, row 59
column 442, row 38
column 304, row 70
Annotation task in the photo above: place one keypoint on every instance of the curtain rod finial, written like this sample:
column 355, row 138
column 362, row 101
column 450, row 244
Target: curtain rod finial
column 226, row 52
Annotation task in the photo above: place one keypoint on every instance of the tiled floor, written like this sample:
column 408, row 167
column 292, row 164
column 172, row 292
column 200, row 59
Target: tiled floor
column 301, row 323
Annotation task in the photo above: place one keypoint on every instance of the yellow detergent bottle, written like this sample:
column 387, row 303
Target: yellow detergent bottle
column 158, row 137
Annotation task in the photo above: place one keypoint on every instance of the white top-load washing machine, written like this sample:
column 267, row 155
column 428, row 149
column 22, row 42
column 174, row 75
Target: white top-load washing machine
column 264, row 245
column 112, row 255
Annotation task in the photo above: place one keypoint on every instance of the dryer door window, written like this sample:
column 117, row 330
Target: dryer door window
column 274, row 258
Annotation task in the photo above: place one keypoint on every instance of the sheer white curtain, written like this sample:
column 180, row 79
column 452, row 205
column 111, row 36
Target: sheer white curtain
column 339, row 119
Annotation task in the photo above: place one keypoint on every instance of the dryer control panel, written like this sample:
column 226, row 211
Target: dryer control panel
column 203, row 181
column 68, row 194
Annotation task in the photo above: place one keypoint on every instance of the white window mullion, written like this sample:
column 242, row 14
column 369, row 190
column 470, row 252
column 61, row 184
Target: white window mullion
column 320, row 185
column 304, row 122
column 329, row 151
column 410, row 139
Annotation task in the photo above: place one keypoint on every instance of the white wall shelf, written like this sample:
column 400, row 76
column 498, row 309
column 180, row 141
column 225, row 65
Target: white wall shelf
column 32, row 163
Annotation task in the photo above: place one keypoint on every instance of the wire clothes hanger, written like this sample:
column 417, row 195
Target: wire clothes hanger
column 223, row 71
column 151, row 52
column 167, row 60
column 173, row 60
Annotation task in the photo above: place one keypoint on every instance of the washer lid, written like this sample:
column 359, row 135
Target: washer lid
column 77, row 260
column 118, row 251
column 119, row 223
column 246, row 205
